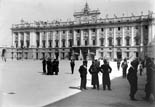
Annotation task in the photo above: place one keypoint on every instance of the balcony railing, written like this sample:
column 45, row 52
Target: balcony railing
column 41, row 24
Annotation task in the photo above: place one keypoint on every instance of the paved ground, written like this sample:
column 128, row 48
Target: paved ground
column 23, row 85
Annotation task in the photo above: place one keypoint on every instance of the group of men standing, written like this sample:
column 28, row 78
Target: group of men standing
column 94, row 69
column 137, row 65
column 50, row 67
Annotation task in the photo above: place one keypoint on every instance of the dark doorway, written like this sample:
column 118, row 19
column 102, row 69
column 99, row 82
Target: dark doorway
column 119, row 55
column 57, row 55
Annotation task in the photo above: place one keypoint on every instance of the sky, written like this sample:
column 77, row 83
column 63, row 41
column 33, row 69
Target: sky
column 12, row 11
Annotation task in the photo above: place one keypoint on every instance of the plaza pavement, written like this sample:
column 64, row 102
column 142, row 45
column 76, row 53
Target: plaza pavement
column 23, row 85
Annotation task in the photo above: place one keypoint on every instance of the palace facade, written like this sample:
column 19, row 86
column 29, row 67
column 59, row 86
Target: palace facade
column 86, row 37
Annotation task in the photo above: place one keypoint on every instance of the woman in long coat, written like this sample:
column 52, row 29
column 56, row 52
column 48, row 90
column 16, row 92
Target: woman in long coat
column 106, row 69
column 94, row 70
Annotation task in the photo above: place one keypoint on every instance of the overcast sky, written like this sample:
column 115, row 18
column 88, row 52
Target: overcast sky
column 12, row 11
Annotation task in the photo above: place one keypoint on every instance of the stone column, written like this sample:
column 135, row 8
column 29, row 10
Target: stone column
column 46, row 40
column 13, row 39
column 60, row 39
column 97, row 37
column 53, row 40
column 114, row 44
column 81, row 37
column 19, row 39
column 90, row 37
column 141, row 41
column 41, row 35
column 25, row 38
column 150, row 33
column 141, row 36
column 132, row 36
column 123, row 36
column 67, row 36
column 74, row 38
column 106, row 37
column 33, row 39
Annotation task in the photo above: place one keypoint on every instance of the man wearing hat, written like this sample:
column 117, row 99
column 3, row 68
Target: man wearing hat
column 83, row 75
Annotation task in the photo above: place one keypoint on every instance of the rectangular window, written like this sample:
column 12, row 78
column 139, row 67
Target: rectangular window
column 86, row 42
column 78, row 42
column 70, row 31
column 119, row 28
column 94, row 42
column 110, row 42
column 70, row 43
column 127, row 54
column 57, row 43
column 63, row 31
column 102, row 29
column 102, row 42
column 119, row 42
column 127, row 42
column 63, row 43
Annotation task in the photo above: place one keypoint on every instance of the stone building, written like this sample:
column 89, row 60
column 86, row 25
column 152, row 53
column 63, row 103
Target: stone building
column 86, row 37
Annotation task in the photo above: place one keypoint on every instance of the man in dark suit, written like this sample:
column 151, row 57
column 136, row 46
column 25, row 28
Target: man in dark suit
column 44, row 65
column 132, row 78
column 83, row 75
column 106, row 70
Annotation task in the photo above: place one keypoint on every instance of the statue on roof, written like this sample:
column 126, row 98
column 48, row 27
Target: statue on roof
column 86, row 8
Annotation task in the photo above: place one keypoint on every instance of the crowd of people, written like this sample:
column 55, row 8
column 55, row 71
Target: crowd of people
column 129, row 72
column 50, row 67
column 94, row 69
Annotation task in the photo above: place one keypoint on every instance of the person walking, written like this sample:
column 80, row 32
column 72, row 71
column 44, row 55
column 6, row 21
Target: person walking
column 94, row 70
column 105, row 70
column 124, row 67
column 132, row 79
column 83, row 75
column 72, row 64
column 44, row 65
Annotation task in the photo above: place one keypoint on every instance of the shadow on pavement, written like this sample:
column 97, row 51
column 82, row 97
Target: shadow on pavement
column 78, row 88
column 118, row 97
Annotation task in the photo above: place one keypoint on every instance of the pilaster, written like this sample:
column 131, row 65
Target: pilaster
column 132, row 36
column 106, row 37
column 74, row 38
column 97, row 37
column 53, row 40
column 33, row 39
column 81, row 37
column 123, row 36
column 67, row 40
column 60, row 39
column 41, row 35
column 90, row 40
